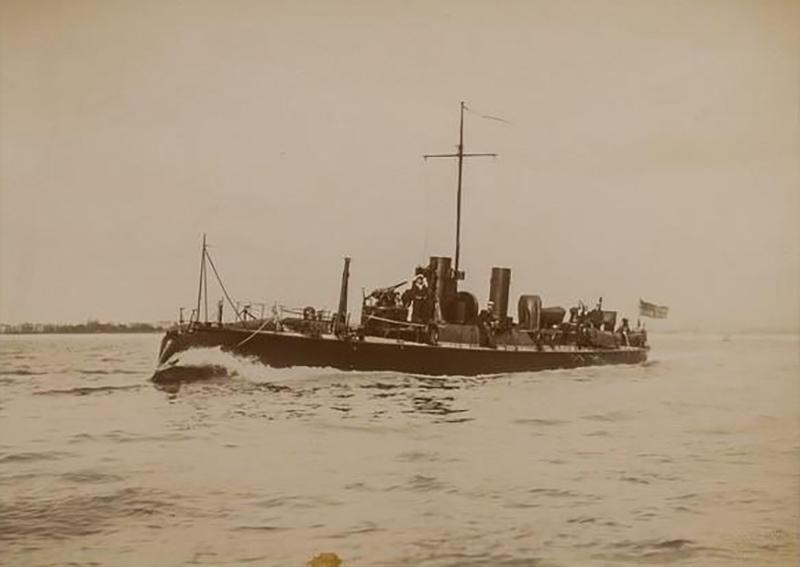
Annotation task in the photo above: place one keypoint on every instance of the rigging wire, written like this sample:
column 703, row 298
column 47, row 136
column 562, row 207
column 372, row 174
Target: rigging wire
column 200, row 283
column 221, row 285
column 254, row 333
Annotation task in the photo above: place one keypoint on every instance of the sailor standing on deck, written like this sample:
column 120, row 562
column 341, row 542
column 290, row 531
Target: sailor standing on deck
column 487, row 324
column 419, row 299
column 624, row 330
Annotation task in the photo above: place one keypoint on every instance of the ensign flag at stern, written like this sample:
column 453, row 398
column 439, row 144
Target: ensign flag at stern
column 647, row 309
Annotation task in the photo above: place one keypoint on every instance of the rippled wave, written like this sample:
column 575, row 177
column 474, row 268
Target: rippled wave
column 74, row 516
column 86, row 390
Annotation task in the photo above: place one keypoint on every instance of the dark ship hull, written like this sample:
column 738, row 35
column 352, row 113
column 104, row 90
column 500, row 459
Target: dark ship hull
column 285, row 349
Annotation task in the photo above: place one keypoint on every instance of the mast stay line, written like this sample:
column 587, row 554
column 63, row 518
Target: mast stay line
column 202, row 288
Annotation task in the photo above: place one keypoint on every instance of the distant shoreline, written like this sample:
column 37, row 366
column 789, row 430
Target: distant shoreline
column 90, row 328
column 129, row 332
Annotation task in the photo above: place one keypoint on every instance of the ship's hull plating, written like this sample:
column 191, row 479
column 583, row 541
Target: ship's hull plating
column 282, row 350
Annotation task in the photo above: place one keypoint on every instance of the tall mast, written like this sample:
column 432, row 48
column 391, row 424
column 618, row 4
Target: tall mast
column 205, row 285
column 460, row 155
column 458, row 196
column 202, row 277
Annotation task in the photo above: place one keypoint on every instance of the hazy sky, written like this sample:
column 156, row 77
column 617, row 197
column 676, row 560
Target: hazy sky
column 652, row 152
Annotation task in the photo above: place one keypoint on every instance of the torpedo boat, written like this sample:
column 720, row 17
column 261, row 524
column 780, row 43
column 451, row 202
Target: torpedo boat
column 425, row 325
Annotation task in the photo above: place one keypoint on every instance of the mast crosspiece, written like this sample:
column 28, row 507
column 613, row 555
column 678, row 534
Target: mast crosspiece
column 460, row 155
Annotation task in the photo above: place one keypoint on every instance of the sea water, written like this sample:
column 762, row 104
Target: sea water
column 690, row 459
